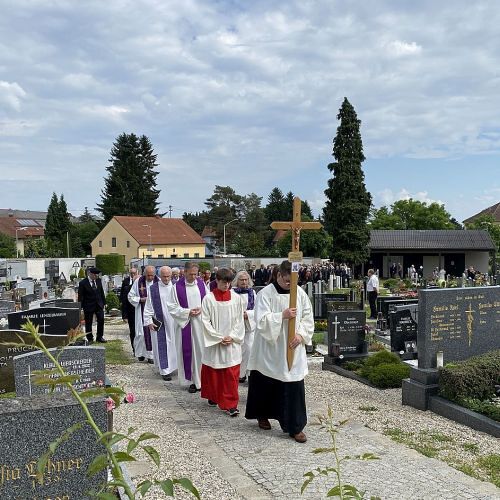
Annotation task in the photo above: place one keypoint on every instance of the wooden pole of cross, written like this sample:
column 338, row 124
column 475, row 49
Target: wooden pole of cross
column 295, row 257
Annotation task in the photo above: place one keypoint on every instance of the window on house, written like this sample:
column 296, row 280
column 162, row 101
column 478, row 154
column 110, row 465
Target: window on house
column 113, row 242
column 173, row 256
column 160, row 256
column 186, row 256
column 196, row 255
column 128, row 244
column 100, row 243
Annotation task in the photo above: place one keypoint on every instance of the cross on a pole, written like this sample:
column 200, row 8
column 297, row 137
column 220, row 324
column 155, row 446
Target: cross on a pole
column 296, row 225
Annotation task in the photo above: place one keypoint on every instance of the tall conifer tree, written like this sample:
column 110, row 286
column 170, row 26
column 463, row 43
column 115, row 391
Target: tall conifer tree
column 348, row 202
column 130, row 187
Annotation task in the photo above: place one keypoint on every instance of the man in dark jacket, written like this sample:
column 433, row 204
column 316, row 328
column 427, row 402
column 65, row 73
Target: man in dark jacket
column 128, row 310
column 91, row 296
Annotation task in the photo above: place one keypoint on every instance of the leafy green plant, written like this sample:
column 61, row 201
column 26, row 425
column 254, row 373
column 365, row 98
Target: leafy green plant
column 340, row 490
column 112, row 301
column 388, row 375
column 111, row 263
column 112, row 458
column 381, row 357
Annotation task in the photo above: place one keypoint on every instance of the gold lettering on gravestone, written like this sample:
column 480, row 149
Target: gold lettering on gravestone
column 470, row 319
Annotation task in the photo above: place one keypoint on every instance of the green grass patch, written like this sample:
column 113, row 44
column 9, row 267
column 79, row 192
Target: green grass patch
column 368, row 408
column 440, row 438
column 471, row 448
column 318, row 338
column 8, row 395
column 491, row 465
column 116, row 354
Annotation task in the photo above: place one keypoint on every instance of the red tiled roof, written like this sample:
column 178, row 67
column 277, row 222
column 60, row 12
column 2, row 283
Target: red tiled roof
column 208, row 231
column 164, row 231
column 494, row 211
column 8, row 225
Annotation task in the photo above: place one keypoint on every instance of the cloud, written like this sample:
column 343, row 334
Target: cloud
column 11, row 94
column 387, row 197
column 399, row 48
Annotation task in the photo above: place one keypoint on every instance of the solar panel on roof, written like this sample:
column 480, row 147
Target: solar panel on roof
column 27, row 222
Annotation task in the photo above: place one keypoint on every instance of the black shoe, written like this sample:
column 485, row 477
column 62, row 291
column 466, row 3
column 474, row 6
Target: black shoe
column 211, row 403
column 150, row 361
column 243, row 379
column 192, row 389
column 168, row 378
column 101, row 341
column 233, row 412
column 141, row 358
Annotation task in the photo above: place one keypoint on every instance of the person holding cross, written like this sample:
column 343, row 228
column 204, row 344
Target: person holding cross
column 276, row 389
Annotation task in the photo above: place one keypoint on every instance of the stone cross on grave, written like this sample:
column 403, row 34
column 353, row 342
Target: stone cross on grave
column 295, row 257
column 336, row 323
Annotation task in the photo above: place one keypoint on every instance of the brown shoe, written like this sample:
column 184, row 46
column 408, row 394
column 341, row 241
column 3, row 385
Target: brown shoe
column 264, row 424
column 300, row 437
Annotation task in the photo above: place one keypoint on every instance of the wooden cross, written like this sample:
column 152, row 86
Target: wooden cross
column 296, row 225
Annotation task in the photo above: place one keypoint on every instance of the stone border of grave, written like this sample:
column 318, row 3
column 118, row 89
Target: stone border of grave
column 464, row 416
column 348, row 374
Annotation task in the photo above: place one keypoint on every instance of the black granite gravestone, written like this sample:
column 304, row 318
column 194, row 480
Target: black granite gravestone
column 28, row 426
column 7, row 353
column 459, row 322
column 51, row 320
column 403, row 332
column 6, row 307
column 346, row 334
column 86, row 362
column 64, row 303
column 26, row 300
column 342, row 306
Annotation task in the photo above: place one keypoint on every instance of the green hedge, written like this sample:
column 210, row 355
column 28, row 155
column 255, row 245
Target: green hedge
column 381, row 357
column 389, row 375
column 112, row 263
column 203, row 266
column 474, row 378
column 112, row 301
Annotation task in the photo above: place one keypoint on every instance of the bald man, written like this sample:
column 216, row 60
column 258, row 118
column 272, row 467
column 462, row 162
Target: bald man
column 137, row 297
column 161, row 324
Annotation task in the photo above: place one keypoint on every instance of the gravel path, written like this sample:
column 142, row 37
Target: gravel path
column 232, row 459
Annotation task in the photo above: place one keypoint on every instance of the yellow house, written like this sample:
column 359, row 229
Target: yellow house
column 137, row 237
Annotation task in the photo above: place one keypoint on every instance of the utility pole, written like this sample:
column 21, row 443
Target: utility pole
column 170, row 211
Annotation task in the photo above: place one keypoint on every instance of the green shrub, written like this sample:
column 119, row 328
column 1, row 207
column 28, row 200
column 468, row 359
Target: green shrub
column 203, row 266
column 474, row 378
column 388, row 375
column 112, row 301
column 487, row 408
column 81, row 273
column 112, row 263
column 391, row 283
column 381, row 357
column 353, row 366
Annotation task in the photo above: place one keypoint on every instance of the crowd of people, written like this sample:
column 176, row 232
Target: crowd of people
column 211, row 331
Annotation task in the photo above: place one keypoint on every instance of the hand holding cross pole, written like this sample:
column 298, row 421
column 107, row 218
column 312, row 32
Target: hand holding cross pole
column 296, row 225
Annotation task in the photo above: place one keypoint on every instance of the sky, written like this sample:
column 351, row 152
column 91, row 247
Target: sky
column 246, row 94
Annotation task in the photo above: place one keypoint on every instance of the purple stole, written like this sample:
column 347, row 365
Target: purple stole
column 143, row 293
column 187, row 346
column 162, row 339
column 251, row 296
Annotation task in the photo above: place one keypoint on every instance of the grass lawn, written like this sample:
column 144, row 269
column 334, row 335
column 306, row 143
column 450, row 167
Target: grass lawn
column 116, row 354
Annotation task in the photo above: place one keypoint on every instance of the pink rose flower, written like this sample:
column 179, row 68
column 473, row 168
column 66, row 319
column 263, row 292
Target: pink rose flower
column 129, row 398
column 110, row 404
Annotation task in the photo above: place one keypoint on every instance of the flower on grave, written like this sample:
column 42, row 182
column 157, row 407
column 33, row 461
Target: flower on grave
column 4, row 322
column 129, row 398
column 110, row 404
column 100, row 383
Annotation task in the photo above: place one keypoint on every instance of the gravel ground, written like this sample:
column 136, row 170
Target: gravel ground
column 231, row 459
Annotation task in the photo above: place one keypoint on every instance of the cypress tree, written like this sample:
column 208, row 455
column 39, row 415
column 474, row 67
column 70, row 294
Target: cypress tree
column 130, row 187
column 348, row 202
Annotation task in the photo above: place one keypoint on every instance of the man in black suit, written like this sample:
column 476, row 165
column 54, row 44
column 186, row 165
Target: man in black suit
column 128, row 310
column 91, row 296
column 260, row 276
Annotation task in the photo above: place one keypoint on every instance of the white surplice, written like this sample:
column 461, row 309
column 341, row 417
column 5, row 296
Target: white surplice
column 222, row 319
column 181, row 318
column 168, row 332
column 269, row 351
column 139, row 341
column 246, row 346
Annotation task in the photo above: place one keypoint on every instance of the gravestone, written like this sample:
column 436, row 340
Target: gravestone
column 454, row 324
column 26, row 300
column 61, row 303
column 6, row 307
column 342, row 306
column 346, row 334
column 28, row 285
column 458, row 322
column 28, row 426
column 404, row 332
column 86, row 362
column 7, row 353
column 50, row 320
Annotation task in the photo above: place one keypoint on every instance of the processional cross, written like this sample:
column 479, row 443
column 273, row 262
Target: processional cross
column 295, row 257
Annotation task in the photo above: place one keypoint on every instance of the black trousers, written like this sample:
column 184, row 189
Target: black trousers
column 131, row 327
column 89, row 317
column 372, row 299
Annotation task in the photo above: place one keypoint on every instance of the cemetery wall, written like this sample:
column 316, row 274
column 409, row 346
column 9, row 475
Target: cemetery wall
column 480, row 261
column 35, row 268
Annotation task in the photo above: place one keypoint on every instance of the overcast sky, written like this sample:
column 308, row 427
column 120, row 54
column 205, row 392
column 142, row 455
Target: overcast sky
column 246, row 93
